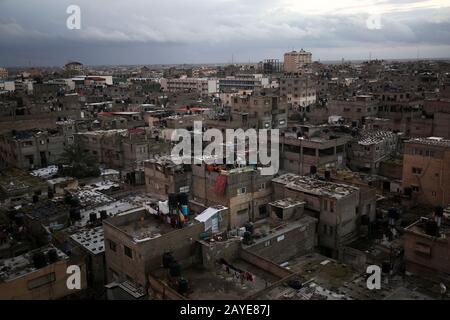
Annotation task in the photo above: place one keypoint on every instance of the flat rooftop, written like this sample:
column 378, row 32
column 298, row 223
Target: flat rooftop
column 143, row 226
column 218, row 284
column 90, row 239
column 368, row 138
column 434, row 141
column 315, row 186
column 19, row 266
column 286, row 203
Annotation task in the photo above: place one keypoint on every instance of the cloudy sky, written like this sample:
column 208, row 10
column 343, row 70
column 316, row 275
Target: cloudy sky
column 34, row 32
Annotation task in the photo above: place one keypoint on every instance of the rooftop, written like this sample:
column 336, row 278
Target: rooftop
column 314, row 186
column 435, row 141
column 91, row 239
column 375, row 137
column 16, row 267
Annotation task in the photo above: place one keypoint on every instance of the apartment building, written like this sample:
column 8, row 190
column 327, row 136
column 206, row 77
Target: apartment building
column 241, row 189
column 312, row 146
column 40, row 274
column 334, row 205
column 298, row 90
column 258, row 110
column 295, row 60
column 185, row 84
column 163, row 176
column 370, row 148
column 32, row 149
column 426, row 170
column 354, row 109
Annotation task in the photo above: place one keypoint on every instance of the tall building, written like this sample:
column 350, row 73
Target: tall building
column 295, row 60
column 3, row 73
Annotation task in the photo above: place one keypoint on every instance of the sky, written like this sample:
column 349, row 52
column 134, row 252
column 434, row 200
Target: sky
column 35, row 32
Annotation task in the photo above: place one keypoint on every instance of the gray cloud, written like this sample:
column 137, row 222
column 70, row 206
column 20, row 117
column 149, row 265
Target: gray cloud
column 178, row 31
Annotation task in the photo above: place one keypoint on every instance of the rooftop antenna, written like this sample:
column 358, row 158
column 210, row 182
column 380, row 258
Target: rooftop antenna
column 370, row 56
column 232, row 58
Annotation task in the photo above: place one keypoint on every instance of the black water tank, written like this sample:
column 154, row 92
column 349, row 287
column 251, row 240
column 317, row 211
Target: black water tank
column 175, row 269
column 39, row 260
column 35, row 198
column 93, row 217
column 103, row 214
column 249, row 227
column 52, row 256
column 75, row 214
column 313, row 170
column 167, row 259
column 183, row 198
column 431, row 228
column 183, row 286
column 247, row 237
column 327, row 174
column 50, row 194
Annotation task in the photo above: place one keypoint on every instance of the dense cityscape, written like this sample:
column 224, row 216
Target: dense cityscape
column 87, row 179
column 96, row 204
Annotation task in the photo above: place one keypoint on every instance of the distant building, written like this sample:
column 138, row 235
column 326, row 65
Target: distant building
column 74, row 67
column 295, row 60
column 3, row 73
column 270, row 66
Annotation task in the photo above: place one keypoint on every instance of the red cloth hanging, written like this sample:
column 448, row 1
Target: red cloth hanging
column 221, row 182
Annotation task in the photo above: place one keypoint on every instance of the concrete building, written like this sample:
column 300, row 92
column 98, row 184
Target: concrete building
column 270, row 66
column 3, row 73
column 244, row 191
column 309, row 145
column 426, row 170
column 354, row 109
column 298, row 90
column 136, row 241
column 295, row 60
column 367, row 151
column 162, row 177
column 185, row 84
column 334, row 205
column 33, row 148
column 259, row 110
column 38, row 275
column 74, row 68
column 427, row 249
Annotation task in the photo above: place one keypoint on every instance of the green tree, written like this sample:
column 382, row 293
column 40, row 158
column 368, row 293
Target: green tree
column 78, row 163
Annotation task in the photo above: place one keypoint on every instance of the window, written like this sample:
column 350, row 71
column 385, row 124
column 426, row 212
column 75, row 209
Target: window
column 128, row 251
column 41, row 281
column 416, row 170
column 242, row 190
column 433, row 193
column 325, row 205
column 415, row 188
column 262, row 186
column 112, row 245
